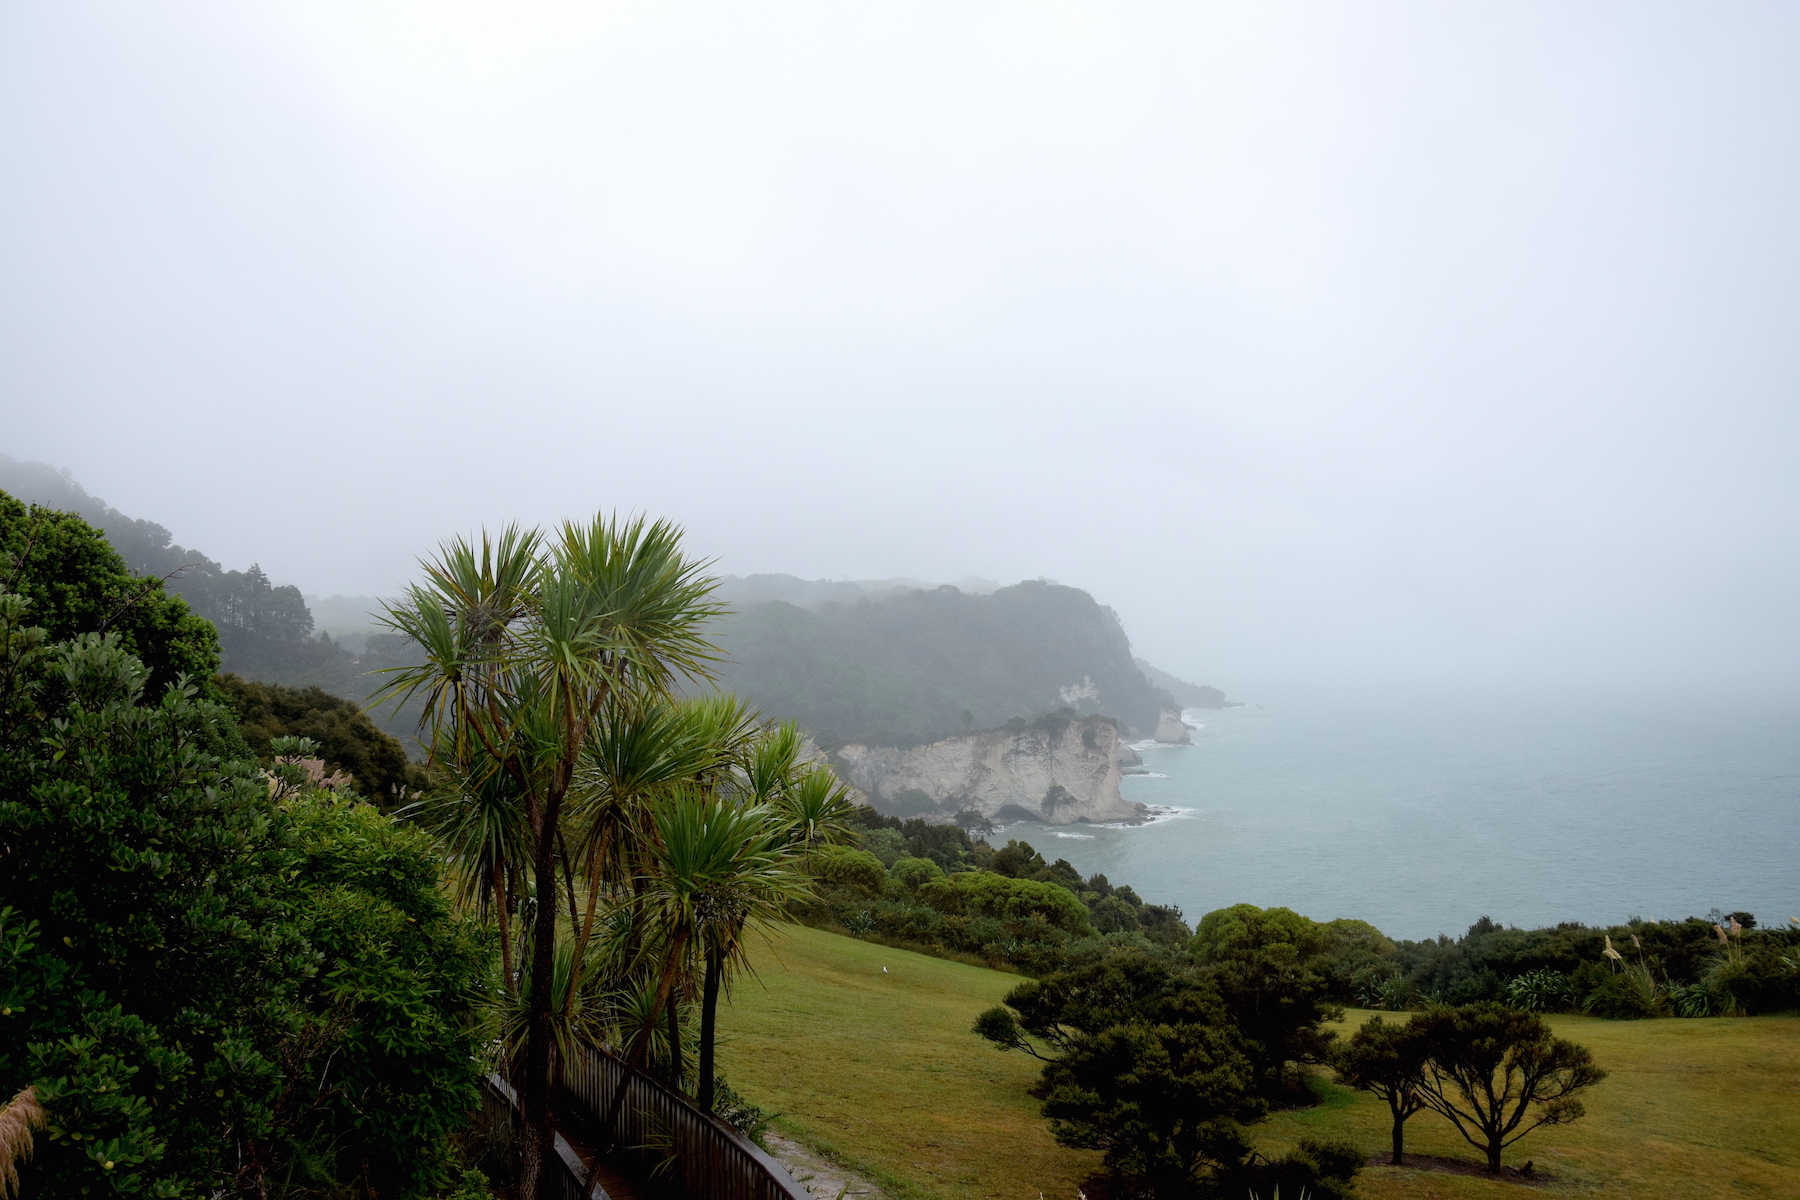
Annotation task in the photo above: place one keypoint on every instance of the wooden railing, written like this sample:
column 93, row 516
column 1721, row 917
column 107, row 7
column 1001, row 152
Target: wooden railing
column 569, row 1176
column 665, row 1131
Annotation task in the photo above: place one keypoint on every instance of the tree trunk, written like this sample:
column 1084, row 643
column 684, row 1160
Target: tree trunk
column 1493, row 1153
column 674, row 1042
column 500, row 902
column 1399, row 1140
column 709, row 1011
column 540, row 1035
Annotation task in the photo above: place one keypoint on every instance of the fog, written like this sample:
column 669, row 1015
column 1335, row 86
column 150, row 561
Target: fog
column 1449, row 343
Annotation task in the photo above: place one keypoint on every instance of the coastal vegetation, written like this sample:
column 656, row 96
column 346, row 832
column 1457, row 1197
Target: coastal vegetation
column 247, row 946
column 935, row 889
column 882, row 1071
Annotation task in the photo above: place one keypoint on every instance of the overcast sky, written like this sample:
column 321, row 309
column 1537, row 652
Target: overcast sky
column 1453, row 341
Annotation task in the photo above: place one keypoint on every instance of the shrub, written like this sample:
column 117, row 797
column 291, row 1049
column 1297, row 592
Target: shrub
column 208, row 988
column 1542, row 990
column 847, row 867
column 1016, row 902
column 75, row 582
column 910, row 873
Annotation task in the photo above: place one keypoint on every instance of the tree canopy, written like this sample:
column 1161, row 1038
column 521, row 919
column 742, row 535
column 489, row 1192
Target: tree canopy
column 207, row 990
column 348, row 740
column 1497, row 1073
column 77, row 583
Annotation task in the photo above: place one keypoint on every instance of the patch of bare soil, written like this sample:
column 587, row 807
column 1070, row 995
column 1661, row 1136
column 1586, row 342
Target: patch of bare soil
column 1529, row 1174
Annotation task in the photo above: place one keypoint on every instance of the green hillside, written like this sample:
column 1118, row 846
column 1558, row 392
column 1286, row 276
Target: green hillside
column 882, row 1069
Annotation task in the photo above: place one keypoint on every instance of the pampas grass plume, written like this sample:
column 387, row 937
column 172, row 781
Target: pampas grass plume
column 21, row 1115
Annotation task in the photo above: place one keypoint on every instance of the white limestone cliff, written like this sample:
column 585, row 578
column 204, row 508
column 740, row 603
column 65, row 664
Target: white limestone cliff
column 1171, row 729
column 1059, row 776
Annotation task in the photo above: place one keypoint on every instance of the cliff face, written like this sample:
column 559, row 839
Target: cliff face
column 1060, row 776
column 1171, row 728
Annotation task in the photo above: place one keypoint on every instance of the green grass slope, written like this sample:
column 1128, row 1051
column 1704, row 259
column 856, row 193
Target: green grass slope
column 882, row 1071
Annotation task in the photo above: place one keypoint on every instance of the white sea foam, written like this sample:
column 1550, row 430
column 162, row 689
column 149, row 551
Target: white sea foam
column 1154, row 814
column 1084, row 837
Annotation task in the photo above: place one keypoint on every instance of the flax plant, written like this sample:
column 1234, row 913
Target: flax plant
column 721, row 870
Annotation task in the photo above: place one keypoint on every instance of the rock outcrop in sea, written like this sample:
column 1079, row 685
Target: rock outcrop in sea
column 1171, row 729
column 1057, row 774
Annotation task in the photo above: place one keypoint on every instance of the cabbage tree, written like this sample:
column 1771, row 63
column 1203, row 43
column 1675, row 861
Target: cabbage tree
column 530, row 642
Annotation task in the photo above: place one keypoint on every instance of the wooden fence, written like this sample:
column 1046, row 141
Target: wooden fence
column 662, row 1129
column 500, row 1105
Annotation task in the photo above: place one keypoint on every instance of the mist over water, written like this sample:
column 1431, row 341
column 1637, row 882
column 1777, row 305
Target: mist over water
column 1422, row 811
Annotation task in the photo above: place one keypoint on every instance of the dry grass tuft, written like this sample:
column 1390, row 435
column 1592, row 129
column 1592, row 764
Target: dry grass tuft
column 18, row 1119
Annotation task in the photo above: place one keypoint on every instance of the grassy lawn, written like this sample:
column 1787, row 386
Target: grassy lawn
column 882, row 1071
column 1690, row 1110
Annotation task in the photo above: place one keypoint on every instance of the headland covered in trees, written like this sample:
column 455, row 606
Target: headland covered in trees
column 1029, row 692
column 222, row 971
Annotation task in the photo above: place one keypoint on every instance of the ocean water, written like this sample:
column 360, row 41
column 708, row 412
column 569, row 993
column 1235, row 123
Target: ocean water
column 1422, row 812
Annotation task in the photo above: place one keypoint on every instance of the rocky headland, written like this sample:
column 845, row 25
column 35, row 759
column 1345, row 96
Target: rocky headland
column 1061, row 773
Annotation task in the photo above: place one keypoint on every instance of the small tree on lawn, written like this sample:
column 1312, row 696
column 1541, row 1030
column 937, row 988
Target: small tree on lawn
column 1388, row 1060
column 1497, row 1073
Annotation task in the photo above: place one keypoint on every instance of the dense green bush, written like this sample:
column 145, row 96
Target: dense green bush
column 1148, row 1062
column 934, row 889
column 1021, row 902
column 1692, row 967
column 348, row 740
column 75, row 583
column 210, row 992
column 850, row 869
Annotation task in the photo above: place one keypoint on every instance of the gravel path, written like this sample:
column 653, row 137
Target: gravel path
column 819, row 1175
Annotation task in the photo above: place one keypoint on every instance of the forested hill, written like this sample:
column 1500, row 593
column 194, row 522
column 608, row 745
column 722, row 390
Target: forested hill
column 886, row 661
column 265, row 632
column 1187, row 695
column 908, row 665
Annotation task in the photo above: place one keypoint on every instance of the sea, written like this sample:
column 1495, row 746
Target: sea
column 1422, row 812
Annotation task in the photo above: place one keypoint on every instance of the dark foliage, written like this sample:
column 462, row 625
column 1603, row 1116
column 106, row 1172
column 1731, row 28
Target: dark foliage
column 1388, row 1060
column 879, row 891
column 210, row 992
column 1270, row 967
column 1145, row 1061
column 348, row 741
column 1496, row 1074
column 1681, row 968
column 1315, row 1169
